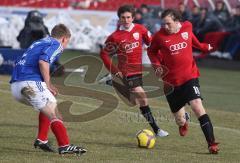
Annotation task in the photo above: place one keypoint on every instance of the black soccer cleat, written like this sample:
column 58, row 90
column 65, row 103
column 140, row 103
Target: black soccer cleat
column 46, row 147
column 72, row 149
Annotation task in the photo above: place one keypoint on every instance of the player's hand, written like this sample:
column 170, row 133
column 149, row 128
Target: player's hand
column 119, row 75
column 210, row 47
column 159, row 72
column 52, row 89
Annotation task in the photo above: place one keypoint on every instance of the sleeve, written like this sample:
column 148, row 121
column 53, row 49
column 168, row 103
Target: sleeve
column 201, row 46
column 109, row 49
column 195, row 42
column 153, row 52
column 147, row 36
column 50, row 53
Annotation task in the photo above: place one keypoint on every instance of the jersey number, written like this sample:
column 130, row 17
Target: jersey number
column 196, row 90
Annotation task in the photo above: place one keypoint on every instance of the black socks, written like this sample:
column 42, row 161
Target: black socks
column 146, row 112
column 207, row 128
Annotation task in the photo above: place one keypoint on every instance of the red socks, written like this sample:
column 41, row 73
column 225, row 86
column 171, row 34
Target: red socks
column 43, row 127
column 57, row 127
column 60, row 132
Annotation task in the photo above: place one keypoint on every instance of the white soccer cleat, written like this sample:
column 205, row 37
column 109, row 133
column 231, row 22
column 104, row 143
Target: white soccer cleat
column 162, row 133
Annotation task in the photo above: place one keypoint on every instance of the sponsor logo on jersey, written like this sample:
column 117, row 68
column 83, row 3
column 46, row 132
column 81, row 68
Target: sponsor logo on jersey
column 179, row 46
column 136, row 36
column 131, row 46
column 184, row 35
column 127, row 47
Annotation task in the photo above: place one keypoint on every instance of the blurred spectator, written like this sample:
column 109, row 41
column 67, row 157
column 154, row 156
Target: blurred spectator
column 221, row 12
column 157, row 12
column 207, row 23
column 230, row 47
column 33, row 30
column 195, row 15
column 146, row 14
column 186, row 14
column 234, row 23
column 138, row 17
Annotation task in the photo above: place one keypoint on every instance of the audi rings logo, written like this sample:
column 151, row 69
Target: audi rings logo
column 128, row 47
column 175, row 47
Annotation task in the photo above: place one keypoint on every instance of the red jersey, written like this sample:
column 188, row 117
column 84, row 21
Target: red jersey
column 174, row 52
column 127, row 44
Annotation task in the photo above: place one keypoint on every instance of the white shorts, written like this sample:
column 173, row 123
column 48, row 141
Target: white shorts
column 34, row 93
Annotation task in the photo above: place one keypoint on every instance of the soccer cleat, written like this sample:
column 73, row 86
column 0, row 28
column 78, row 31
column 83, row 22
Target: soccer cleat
column 213, row 148
column 46, row 147
column 161, row 133
column 106, row 79
column 183, row 129
column 71, row 149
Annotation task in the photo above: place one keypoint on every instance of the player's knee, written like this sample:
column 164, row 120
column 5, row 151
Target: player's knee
column 50, row 110
column 199, row 111
column 197, row 107
column 142, row 101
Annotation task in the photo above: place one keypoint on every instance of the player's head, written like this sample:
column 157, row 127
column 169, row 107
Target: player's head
column 126, row 15
column 171, row 19
column 61, row 33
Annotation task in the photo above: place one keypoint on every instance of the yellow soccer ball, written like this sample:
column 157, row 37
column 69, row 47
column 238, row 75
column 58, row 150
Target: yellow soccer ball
column 146, row 139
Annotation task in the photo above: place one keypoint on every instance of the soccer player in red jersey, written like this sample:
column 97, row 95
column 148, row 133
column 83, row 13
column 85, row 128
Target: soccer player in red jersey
column 171, row 56
column 127, row 42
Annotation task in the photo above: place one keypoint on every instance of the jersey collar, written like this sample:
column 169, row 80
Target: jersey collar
column 60, row 45
column 124, row 29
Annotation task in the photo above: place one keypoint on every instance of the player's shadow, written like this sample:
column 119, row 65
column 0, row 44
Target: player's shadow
column 202, row 153
column 17, row 125
column 109, row 144
column 19, row 150
column 15, row 137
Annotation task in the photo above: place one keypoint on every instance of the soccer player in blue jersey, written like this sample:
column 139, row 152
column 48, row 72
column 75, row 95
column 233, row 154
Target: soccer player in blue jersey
column 30, row 84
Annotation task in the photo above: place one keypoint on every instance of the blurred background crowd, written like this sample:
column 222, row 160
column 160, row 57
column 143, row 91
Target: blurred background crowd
column 214, row 21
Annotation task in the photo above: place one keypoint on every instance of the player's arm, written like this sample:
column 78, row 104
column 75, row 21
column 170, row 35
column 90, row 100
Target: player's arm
column 45, row 71
column 201, row 46
column 147, row 37
column 153, row 53
column 109, row 49
column 45, row 59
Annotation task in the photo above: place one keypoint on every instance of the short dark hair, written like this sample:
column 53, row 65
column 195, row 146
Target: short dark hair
column 60, row 30
column 126, row 8
column 176, row 16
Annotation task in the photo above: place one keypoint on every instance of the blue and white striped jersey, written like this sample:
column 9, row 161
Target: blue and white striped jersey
column 27, row 68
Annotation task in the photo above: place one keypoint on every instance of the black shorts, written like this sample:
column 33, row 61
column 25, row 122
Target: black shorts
column 126, row 84
column 133, row 81
column 184, row 93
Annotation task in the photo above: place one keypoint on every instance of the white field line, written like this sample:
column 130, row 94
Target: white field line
column 136, row 114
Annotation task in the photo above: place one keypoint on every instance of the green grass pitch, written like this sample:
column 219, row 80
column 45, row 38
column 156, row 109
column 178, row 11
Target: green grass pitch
column 111, row 138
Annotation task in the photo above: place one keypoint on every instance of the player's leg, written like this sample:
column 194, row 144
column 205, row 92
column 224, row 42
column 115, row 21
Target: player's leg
column 195, row 100
column 23, row 92
column 205, row 123
column 176, row 103
column 50, row 110
column 42, row 136
column 60, row 131
column 123, row 92
column 41, row 99
column 181, row 118
column 141, row 98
